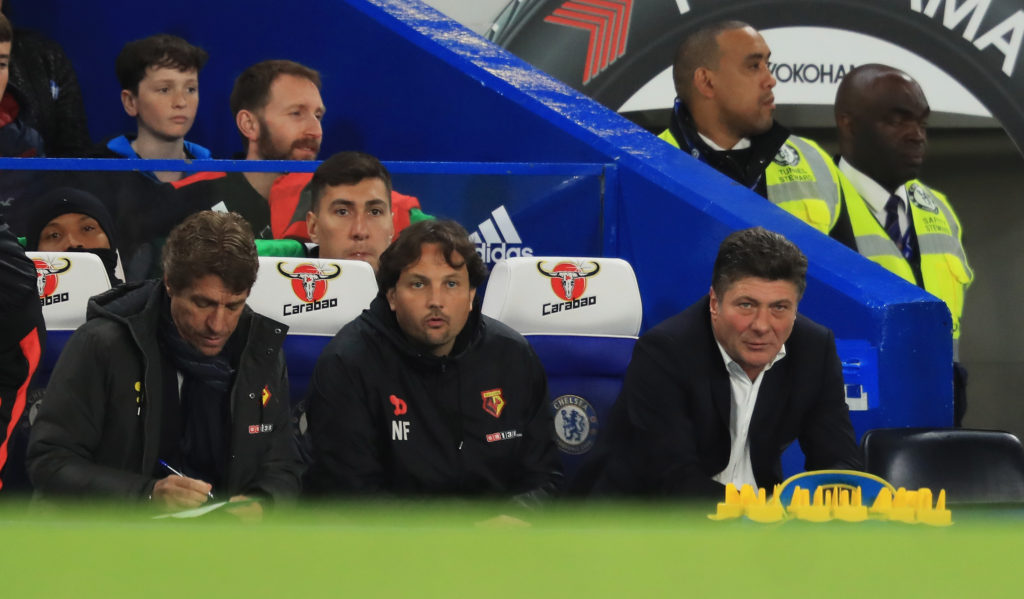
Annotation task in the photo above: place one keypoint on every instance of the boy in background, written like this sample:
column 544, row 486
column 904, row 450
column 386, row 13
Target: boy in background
column 159, row 78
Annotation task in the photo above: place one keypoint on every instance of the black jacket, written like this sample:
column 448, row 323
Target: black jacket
column 48, row 91
column 96, row 434
column 385, row 418
column 668, row 432
column 746, row 167
column 22, row 335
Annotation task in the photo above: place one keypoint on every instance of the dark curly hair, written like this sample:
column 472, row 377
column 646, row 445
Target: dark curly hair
column 758, row 252
column 407, row 249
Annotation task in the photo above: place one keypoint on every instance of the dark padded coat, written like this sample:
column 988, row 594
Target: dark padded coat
column 96, row 434
column 387, row 419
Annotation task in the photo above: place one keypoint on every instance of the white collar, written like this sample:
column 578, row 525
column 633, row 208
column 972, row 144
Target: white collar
column 737, row 368
column 742, row 144
column 873, row 193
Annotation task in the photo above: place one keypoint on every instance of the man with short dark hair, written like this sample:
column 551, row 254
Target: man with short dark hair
column 716, row 393
column 724, row 117
column 278, row 109
column 889, row 216
column 350, row 216
column 174, row 390
column 422, row 395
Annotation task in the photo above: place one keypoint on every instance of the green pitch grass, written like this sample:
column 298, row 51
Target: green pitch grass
column 441, row 550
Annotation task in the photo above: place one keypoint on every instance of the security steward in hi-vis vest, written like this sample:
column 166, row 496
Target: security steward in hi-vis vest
column 794, row 173
column 724, row 117
column 938, row 263
column 890, row 217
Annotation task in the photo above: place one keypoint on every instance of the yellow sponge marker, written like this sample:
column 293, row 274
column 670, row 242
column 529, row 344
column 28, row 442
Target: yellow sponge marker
column 819, row 510
column 850, row 511
column 747, row 495
column 882, row 504
column 937, row 516
column 800, row 499
column 731, row 508
column 770, row 511
column 904, row 506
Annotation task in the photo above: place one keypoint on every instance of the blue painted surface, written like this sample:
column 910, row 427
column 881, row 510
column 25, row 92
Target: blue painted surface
column 405, row 83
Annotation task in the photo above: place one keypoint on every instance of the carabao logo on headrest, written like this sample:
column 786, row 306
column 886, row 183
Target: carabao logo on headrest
column 569, row 280
column 46, row 274
column 309, row 283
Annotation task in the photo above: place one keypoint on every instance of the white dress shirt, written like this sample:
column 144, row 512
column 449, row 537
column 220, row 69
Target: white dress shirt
column 742, row 144
column 876, row 196
column 739, row 471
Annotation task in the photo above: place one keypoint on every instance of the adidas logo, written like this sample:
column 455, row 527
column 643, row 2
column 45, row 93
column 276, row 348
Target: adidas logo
column 496, row 238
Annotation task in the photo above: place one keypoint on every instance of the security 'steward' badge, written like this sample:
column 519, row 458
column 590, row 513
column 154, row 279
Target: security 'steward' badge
column 494, row 403
column 921, row 199
column 787, row 156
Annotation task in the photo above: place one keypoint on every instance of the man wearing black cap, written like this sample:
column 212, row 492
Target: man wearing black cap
column 68, row 219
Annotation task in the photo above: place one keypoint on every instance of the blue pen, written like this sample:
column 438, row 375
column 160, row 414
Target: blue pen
column 173, row 471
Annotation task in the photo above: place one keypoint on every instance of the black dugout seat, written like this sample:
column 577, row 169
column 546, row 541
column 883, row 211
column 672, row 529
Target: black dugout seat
column 973, row 466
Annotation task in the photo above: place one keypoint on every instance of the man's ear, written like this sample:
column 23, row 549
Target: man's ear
column 472, row 298
column 844, row 123
column 312, row 226
column 713, row 303
column 248, row 125
column 390, row 295
column 130, row 102
column 703, row 81
column 167, row 287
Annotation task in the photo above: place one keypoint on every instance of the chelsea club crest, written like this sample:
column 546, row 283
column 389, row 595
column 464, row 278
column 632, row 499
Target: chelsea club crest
column 575, row 424
column 921, row 199
column 786, row 156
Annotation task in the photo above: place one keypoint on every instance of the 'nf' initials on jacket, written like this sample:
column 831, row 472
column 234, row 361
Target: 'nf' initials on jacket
column 385, row 418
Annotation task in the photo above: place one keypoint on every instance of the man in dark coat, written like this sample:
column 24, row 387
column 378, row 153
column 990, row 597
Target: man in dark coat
column 173, row 391
column 422, row 395
column 716, row 393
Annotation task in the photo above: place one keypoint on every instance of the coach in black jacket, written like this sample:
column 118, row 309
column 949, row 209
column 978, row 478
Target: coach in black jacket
column 22, row 335
column 176, row 374
column 717, row 392
column 421, row 395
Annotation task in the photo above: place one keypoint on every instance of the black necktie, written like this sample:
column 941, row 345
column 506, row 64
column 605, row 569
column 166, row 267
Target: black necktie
column 892, row 228
column 892, row 220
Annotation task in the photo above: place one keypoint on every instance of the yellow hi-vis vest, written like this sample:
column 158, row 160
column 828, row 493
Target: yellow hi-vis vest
column 802, row 180
column 944, row 268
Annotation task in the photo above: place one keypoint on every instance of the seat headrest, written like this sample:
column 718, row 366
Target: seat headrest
column 557, row 295
column 312, row 296
column 66, row 281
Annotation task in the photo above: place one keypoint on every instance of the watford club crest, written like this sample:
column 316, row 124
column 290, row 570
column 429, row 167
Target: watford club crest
column 494, row 403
